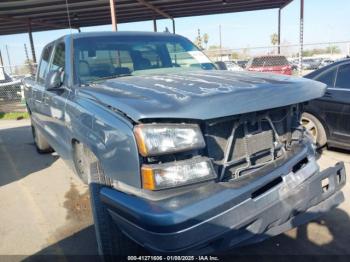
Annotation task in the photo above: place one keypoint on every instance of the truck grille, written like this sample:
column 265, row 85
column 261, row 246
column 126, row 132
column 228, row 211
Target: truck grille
column 241, row 145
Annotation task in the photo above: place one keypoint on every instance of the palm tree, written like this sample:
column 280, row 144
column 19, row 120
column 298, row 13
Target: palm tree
column 274, row 39
column 206, row 40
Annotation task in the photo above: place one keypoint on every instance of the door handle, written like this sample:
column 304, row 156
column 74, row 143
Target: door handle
column 328, row 94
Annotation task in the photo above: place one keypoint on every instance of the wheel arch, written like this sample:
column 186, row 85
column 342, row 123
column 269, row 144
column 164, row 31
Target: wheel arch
column 319, row 118
column 114, row 145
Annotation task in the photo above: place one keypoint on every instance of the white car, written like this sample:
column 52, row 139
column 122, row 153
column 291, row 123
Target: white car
column 232, row 66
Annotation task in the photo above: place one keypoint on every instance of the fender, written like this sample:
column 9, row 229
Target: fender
column 108, row 135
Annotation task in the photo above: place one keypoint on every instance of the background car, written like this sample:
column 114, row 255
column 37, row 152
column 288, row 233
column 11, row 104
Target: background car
column 270, row 64
column 328, row 118
column 311, row 63
column 221, row 65
column 326, row 62
column 242, row 63
column 233, row 66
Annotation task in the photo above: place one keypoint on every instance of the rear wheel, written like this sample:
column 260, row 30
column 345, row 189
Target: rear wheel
column 41, row 144
column 110, row 240
column 315, row 128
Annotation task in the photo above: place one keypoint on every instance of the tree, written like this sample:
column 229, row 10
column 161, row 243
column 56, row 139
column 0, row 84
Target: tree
column 206, row 40
column 25, row 68
column 274, row 39
column 235, row 55
column 333, row 50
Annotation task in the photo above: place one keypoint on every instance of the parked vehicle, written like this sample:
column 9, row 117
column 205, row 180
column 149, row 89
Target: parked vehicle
column 179, row 157
column 326, row 62
column 270, row 64
column 311, row 63
column 328, row 118
column 242, row 63
column 10, row 89
column 221, row 65
column 233, row 66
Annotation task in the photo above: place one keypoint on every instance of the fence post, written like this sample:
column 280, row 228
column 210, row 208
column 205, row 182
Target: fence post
column 301, row 37
column 8, row 59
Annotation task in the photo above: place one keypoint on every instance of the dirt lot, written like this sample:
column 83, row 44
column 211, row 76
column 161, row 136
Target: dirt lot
column 44, row 208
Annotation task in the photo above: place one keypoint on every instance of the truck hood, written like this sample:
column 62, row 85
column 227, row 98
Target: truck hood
column 201, row 94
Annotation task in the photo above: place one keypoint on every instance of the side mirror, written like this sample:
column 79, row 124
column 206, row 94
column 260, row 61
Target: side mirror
column 53, row 80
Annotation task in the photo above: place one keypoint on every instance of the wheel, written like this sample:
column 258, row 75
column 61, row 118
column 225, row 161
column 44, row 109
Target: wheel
column 315, row 128
column 41, row 144
column 110, row 239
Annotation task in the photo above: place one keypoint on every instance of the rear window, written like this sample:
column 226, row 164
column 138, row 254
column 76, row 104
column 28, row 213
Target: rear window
column 268, row 61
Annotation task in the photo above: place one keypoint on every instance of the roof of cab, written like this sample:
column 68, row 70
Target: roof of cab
column 122, row 33
column 108, row 33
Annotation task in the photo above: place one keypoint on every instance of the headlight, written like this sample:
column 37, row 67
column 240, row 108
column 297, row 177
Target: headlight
column 160, row 139
column 178, row 173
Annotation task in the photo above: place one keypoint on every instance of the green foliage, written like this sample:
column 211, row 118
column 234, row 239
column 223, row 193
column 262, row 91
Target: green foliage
column 214, row 47
column 199, row 40
column 235, row 55
column 14, row 116
column 274, row 39
column 320, row 51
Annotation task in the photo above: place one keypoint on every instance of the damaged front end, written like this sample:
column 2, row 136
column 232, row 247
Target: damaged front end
column 267, row 182
column 241, row 145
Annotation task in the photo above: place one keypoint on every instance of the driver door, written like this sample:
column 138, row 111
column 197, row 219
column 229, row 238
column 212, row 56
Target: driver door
column 54, row 100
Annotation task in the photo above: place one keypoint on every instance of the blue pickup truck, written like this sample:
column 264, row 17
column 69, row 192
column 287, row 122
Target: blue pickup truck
column 180, row 158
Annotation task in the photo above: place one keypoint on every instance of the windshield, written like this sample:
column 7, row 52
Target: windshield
column 103, row 57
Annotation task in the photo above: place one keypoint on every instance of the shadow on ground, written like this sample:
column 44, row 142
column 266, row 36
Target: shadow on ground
column 327, row 235
column 18, row 156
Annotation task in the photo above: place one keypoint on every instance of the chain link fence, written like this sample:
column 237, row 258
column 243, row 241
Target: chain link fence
column 15, row 64
column 11, row 93
column 314, row 56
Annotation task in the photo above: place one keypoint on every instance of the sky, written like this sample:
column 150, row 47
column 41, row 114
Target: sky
column 324, row 21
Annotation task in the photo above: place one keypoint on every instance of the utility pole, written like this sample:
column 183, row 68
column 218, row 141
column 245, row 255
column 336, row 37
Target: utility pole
column 1, row 61
column 220, row 42
column 220, row 36
column 8, row 59
column 279, row 31
column 28, row 61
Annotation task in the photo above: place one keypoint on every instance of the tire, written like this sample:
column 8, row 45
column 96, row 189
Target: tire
column 315, row 128
column 41, row 144
column 110, row 240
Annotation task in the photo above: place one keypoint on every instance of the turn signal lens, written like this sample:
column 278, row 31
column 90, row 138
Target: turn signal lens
column 160, row 176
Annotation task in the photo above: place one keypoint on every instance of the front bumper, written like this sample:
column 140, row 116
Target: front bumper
column 219, row 216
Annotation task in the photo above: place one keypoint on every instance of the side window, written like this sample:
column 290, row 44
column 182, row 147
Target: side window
column 58, row 58
column 343, row 77
column 327, row 77
column 45, row 59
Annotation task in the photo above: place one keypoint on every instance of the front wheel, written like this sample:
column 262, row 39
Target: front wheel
column 315, row 129
column 110, row 240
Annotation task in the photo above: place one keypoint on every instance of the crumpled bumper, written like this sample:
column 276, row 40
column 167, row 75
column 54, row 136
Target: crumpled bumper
column 219, row 216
